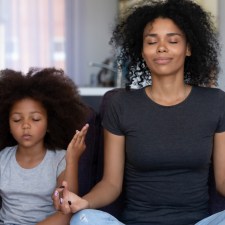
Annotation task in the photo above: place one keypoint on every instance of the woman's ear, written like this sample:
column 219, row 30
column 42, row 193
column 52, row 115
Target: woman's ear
column 188, row 51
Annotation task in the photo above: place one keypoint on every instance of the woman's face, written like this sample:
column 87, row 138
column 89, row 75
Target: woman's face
column 164, row 48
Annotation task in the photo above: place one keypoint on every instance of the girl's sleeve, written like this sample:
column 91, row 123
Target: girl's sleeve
column 61, row 161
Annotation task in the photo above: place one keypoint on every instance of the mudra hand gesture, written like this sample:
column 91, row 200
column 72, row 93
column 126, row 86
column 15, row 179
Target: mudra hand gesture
column 68, row 202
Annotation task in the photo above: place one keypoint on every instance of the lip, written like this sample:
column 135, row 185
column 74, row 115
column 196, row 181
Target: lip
column 162, row 60
column 26, row 136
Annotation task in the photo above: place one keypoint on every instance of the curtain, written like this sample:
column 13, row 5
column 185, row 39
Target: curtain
column 32, row 34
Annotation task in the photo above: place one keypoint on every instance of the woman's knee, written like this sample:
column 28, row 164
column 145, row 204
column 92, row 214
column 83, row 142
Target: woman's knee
column 93, row 217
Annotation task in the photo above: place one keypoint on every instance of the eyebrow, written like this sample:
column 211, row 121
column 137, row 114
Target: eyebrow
column 30, row 112
column 169, row 35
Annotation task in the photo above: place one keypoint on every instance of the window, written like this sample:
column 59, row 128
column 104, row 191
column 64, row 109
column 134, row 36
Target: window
column 32, row 34
column 67, row 34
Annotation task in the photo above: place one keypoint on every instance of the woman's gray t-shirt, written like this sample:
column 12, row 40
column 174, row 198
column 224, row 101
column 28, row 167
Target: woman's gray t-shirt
column 26, row 193
column 168, row 154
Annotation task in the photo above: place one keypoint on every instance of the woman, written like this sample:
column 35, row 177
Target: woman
column 159, row 139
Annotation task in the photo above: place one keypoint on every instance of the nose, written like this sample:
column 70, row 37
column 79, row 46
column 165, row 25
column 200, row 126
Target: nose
column 26, row 125
column 162, row 48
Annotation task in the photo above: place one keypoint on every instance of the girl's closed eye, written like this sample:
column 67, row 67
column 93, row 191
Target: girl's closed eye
column 36, row 118
column 16, row 120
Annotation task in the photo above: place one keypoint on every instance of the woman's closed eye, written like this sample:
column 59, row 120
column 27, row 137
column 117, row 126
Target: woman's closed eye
column 152, row 42
column 173, row 42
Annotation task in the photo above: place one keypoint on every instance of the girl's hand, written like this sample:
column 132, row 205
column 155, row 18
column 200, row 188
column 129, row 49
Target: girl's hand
column 77, row 145
column 66, row 201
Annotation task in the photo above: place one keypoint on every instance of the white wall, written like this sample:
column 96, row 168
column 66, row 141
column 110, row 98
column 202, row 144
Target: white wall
column 94, row 20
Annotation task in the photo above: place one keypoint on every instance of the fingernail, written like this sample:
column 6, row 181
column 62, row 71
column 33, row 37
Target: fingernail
column 56, row 193
column 60, row 200
column 69, row 202
column 62, row 186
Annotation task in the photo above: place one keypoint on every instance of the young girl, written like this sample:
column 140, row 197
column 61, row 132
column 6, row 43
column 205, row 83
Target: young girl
column 160, row 139
column 39, row 114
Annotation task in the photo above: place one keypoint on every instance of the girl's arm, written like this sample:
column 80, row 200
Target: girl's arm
column 74, row 151
column 109, row 188
column 70, row 175
column 219, row 161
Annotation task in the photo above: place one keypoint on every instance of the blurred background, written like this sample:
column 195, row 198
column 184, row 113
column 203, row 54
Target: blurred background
column 73, row 35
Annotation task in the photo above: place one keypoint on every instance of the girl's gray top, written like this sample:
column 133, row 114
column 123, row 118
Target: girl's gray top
column 26, row 193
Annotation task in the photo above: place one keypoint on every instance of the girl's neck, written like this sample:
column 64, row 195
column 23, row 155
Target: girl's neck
column 30, row 158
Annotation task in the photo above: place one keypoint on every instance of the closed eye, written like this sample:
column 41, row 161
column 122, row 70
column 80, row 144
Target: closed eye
column 36, row 120
column 152, row 43
column 16, row 121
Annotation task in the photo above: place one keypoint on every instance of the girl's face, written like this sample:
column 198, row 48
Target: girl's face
column 28, row 123
column 164, row 47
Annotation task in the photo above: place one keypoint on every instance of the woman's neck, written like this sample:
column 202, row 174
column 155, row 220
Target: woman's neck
column 168, row 94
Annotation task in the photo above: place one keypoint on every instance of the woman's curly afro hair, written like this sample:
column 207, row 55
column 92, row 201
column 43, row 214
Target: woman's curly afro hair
column 201, row 68
column 59, row 96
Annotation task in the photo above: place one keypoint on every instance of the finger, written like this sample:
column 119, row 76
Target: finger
column 66, row 193
column 74, row 140
column 85, row 127
column 65, row 184
column 82, row 134
column 84, row 130
column 64, row 206
column 56, row 199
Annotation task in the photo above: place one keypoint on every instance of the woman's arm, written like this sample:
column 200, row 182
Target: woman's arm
column 219, row 161
column 70, row 175
column 109, row 188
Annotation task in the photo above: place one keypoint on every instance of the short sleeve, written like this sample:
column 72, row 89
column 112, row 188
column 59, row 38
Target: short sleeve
column 61, row 161
column 112, row 119
column 221, row 123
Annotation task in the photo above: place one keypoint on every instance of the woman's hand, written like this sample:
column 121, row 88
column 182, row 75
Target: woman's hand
column 68, row 202
column 77, row 145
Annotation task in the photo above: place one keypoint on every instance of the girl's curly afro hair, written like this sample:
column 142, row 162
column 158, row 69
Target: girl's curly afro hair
column 58, row 94
column 201, row 68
